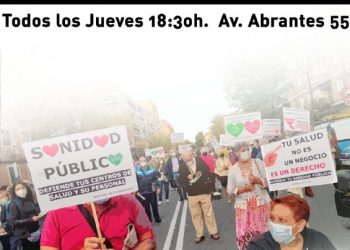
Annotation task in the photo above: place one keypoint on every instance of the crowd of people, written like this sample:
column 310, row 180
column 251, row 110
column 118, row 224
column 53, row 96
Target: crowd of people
column 263, row 219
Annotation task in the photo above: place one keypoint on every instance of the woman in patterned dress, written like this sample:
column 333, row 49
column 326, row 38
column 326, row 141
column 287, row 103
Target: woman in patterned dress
column 247, row 182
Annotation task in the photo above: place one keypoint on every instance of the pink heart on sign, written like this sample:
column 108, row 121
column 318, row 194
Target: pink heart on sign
column 160, row 151
column 252, row 127
column 290, row 121
column 51, row 150
column 101, row 140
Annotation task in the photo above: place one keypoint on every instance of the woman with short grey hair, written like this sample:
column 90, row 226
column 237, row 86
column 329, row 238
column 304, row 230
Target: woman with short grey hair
column 247, row 182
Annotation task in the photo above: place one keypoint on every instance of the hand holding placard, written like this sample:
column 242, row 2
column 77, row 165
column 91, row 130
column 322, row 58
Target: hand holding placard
column 270, row 157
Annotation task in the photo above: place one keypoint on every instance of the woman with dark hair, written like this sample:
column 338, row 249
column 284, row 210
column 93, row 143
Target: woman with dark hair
column 287, row 228
column 23, row 218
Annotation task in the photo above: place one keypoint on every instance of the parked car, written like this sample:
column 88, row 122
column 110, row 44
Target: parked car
column 342, row 131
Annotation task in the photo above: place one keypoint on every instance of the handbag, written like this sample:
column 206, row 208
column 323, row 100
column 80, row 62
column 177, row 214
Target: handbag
column 35, row 236
column 154, row 188
column 218, row 185
column 131, row 238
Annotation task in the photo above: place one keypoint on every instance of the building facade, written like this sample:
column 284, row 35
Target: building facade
column 326, row 79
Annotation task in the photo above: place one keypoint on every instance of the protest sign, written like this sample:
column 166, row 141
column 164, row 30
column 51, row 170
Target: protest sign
column 244, row 127
column 296, row 120
column 183, row 148
column 272, row 127
column 147, row 152
column 299, row 161
column 226, row 140
column 157, row 152
column 177, row 137
column 80, row 168
column 214, row 143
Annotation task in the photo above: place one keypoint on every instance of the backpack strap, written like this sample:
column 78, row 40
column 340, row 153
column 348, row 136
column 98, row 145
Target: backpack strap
column 90, row 220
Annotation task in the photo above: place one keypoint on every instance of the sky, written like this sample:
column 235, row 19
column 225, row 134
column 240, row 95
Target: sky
column 183, row 71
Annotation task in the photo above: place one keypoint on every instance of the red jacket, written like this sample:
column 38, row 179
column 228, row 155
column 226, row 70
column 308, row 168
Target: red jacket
column 209, row 160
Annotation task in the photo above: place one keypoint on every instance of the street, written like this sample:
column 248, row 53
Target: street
column 177, row 232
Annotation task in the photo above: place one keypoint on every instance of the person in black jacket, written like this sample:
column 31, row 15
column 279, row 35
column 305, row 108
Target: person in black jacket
column 147, row 181
column 287, row 228
column 172, row 168
column 198, row 190
column 23, row 217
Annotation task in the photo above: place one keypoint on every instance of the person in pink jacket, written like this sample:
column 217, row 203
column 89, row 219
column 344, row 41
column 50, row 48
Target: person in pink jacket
column 209, row 159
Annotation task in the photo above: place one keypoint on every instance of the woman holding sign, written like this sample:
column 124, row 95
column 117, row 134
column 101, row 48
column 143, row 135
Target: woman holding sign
column 247, row 181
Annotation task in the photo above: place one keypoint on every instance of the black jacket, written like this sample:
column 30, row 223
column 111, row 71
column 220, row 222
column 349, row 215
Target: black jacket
column 202, row 186
column 20, row 217
column 145, row 178
column 169, row 167
column 313, row 240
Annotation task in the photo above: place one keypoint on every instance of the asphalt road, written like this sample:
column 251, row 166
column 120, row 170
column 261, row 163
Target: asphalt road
column 176, row 230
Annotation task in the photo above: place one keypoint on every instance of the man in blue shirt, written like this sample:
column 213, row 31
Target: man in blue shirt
column 147, row 180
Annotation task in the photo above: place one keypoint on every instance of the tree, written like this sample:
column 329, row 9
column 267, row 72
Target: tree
column 75, row 114
column 253, row 86
column 199, row 139
column 159, row 140
column 217, row 126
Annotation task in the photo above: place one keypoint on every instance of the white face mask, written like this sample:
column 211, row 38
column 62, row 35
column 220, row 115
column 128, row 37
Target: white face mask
column 143, row 164
column 99, row 202
column 245, row 156
column 22, row 193
column 281, row 233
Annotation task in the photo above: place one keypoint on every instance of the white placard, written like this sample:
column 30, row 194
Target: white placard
column 226, row 140
column 299, row 161
column 147, row 152
column 214, row 143
column 80, row 168
column 177, row 137
column 157, row 152
column 272, row 127
column 296, row 120
column 244, row 127
column 184, row 148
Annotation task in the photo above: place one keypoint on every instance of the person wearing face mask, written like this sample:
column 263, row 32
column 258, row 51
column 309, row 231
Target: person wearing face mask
column 172, row 168
column 5, row 229
column 147, row 180
column 73, row 227
column 287, row 228
column 23, row 217
column 222, row 165
column 247, row 182
column 163, row 180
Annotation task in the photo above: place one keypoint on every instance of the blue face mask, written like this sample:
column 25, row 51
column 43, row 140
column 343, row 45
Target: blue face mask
column 281, row 233
column 4, row 201
column 99, row 202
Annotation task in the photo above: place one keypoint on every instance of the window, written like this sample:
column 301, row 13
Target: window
column 6, row 140
column 13, row 172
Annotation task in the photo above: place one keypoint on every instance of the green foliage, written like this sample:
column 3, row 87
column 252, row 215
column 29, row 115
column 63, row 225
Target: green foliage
column 199, row 139
column 217, row 126
column 258, row 87
column 158, row 140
